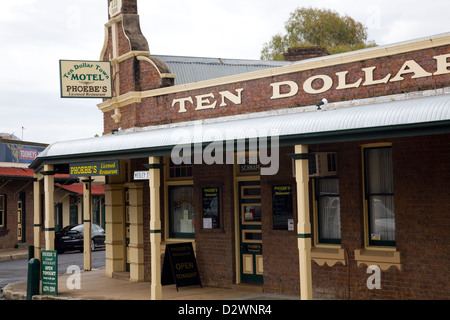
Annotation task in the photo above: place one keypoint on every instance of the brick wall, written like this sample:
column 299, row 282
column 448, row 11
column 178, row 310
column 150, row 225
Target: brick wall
column 280, row 249
column 422, row 180
column 298, row 54
column 215, row 247
column 422, row 226
column 137, row 165
column 8, row 235
column 257, row 93
column 422, row 212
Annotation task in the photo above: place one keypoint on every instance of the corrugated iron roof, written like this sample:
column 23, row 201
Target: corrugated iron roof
column 304, row 126
column 16, row 172
column 25, row 173
column 78, row 188
column 194, row 69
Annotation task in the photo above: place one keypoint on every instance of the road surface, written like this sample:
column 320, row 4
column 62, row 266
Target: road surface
column 12, row 271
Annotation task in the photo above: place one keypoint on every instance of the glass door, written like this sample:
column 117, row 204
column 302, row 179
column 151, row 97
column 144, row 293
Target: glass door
column 250, row 231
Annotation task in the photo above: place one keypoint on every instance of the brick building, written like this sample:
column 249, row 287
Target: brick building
column 327, row 177
column 16, row 191
column 17, row 199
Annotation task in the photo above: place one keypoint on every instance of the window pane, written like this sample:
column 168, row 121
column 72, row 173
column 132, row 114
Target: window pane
column 382, row 218
column 330, row 218
column 252, row 213
column 379, row 171
column 181, row 211
column 380, row 196
column 252, row 236
column 251, row 192
column 182, row 169
column 328, row 186
column 329, row 210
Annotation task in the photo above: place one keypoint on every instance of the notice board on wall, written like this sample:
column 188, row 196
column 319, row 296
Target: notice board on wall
column 180, row 267
column 210, row 208
column 282, row 207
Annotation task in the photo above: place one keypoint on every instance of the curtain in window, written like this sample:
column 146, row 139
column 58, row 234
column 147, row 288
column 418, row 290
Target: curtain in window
column 380, row 192
column 329, row 209
column 181, row 210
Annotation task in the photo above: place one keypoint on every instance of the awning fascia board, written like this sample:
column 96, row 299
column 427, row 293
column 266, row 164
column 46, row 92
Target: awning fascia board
column 371, row 133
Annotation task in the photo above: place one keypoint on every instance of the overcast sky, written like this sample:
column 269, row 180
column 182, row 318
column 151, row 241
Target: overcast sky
column 35, row 35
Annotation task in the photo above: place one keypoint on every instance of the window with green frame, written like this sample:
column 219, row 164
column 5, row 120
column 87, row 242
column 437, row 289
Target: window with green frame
column 379, row 192
column 181, row 211
column 328, row 210
column 2, row 210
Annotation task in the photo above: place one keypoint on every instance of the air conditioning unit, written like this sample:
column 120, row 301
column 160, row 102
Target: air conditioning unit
column 323, row 164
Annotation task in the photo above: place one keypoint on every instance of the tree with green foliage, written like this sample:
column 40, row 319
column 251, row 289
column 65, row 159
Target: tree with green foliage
column 318, row 27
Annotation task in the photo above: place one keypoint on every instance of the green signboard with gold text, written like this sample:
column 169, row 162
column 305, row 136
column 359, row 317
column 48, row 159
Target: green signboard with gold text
column 49, row 272
column 92, row 169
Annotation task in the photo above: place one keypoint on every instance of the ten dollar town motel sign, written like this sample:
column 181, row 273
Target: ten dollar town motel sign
column 85, row 79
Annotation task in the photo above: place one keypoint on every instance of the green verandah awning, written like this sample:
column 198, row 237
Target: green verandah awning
column 339, row 122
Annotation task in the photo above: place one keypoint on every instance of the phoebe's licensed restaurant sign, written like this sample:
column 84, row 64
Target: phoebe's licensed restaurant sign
column 85, row 79
column 92, row 169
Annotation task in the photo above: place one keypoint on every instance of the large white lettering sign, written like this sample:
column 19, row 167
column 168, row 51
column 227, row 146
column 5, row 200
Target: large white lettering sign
column 317, row 84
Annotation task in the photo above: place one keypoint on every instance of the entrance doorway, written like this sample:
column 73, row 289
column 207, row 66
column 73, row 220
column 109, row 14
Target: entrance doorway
column 58, row 217
column 21, row 218
column 251, row 259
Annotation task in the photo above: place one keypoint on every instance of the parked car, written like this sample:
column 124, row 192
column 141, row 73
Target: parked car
column 72, row 238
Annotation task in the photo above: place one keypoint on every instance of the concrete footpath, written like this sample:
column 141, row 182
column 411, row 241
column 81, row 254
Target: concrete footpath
column 94, row 285
column 12, row 254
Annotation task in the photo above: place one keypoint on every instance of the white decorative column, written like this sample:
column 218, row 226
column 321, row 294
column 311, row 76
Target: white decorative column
column 49, row 206
column 304, row 225
column 154, row 167
column 87, row 213
column 37, row 216
column 114, row 225
column 136, row 245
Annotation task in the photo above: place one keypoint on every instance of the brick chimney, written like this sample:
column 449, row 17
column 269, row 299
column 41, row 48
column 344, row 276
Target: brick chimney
column 298, row 54
column 117, row 7
column 133, row 68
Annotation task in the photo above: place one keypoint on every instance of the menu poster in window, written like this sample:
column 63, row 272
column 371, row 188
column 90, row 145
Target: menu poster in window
column 210, row 208
column 282, row 207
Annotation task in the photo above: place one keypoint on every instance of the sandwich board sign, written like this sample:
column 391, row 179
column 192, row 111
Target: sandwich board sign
column 49, row 272
column 180, row 266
